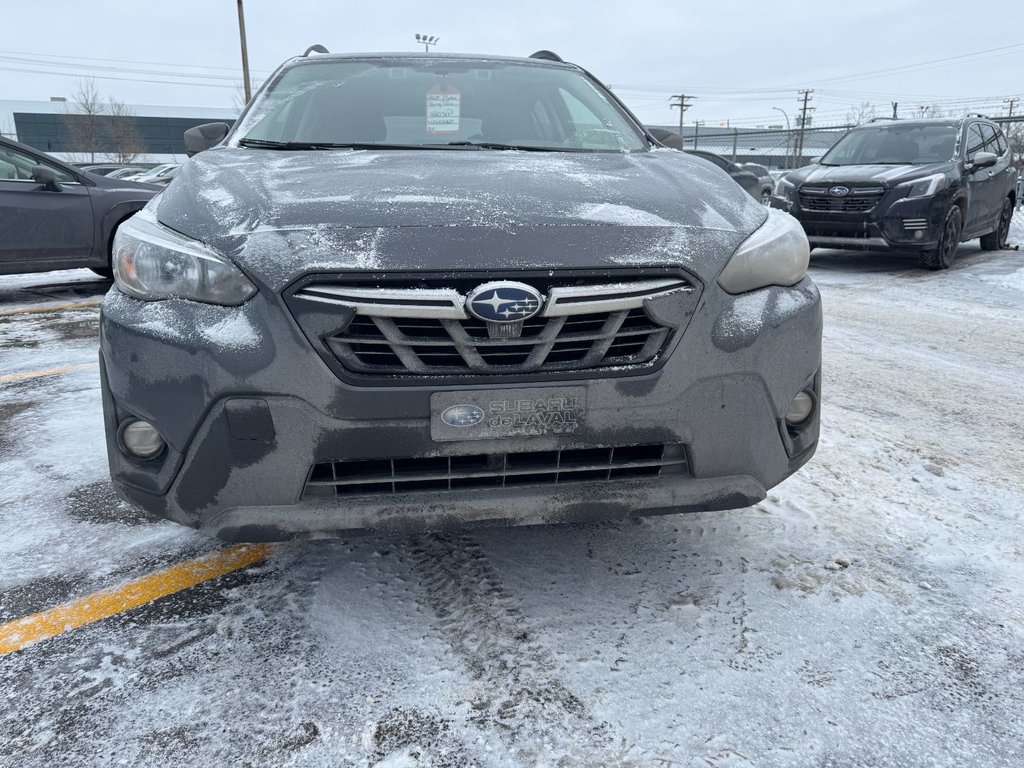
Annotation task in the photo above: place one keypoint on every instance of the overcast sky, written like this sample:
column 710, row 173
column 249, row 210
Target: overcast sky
column 740, row 59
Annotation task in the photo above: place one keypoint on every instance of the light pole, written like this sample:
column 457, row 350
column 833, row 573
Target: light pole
column 245, row 53
column 427, row 40
column 780, row 109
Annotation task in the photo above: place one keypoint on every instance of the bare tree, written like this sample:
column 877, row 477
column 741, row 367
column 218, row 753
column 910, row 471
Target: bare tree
column 128, row 144
column 1015, row 135
column 932, row 110
column 83, row 119
column 861, row 114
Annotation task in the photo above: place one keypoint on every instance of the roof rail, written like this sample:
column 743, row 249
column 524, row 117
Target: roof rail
column 880, row 119
column 978, row 114
column 546, row 55
column 315, row 48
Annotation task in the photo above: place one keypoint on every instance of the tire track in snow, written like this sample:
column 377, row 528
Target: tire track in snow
column 518, row 696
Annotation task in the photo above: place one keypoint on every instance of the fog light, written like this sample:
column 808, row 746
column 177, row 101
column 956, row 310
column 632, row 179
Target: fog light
column 919, row 235
column 801, row 408
column 140, row 439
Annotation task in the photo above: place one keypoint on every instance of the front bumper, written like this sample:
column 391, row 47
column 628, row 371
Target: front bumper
column 895, row 223
column 247, row 409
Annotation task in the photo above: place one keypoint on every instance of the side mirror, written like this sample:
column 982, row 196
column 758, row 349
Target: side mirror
column 982, row 160
column 47, row 178
column 204, row 136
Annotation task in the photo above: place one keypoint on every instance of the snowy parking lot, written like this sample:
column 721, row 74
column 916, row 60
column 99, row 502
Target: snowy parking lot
column 869, row 613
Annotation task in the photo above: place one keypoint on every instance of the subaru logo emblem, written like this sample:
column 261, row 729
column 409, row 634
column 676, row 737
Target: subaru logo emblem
column 504, row 302
column 839, row 191
column 462, row 415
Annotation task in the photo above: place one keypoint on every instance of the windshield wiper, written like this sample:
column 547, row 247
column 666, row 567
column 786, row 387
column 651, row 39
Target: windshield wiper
column 270, row 144
column 497, row 145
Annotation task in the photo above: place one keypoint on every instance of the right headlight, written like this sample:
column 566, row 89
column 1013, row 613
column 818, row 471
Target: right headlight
column 777, row 253
column 152, row 263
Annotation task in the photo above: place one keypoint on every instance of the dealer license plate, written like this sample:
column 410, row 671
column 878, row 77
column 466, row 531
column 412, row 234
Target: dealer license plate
column 500, row 413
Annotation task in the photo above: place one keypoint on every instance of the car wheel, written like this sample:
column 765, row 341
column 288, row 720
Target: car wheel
column 949, row 241
column 994, row 241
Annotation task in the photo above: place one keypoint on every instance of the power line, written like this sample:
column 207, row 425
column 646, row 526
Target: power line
column 175, row 65
column 126, row 79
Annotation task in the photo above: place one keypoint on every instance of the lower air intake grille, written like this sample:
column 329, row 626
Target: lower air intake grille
column 442, row 473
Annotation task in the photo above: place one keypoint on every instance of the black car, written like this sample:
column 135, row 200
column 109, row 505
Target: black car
column 909, row 185
column 56, row 216
column 745, row 177
column 765, row 177
column 415, row 291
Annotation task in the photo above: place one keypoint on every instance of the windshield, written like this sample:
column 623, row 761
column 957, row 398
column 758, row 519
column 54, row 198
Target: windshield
column 438, row 103
column 894, row 145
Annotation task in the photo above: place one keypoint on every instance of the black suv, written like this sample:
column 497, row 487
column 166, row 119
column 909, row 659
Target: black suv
column 910, row 185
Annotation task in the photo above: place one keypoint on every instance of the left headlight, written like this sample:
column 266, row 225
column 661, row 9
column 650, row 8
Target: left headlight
column 152, row 263
column 776, row 254
column 783, row 187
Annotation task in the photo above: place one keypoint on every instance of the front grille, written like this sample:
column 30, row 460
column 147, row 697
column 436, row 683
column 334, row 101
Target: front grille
column 859, row 199
column 442, row 473
column 427, row 332
column 915, row 224
column 431, row 346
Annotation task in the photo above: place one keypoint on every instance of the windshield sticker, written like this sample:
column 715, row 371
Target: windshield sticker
column 444, row 104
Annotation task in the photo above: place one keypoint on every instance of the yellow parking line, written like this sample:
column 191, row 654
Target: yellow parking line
column 50, row 308
column 9, row 377
column 16, row 634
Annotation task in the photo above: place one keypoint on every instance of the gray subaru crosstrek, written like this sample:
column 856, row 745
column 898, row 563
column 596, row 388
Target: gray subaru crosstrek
column 409, row 292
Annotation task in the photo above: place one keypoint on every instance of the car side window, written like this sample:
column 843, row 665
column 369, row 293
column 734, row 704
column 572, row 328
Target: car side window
column 989, row 134
column 1000, row 143
column 17, row 165
column 975, row 141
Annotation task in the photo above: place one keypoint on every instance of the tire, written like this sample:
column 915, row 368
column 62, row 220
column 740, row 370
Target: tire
column 995, row 241
column 949, row 241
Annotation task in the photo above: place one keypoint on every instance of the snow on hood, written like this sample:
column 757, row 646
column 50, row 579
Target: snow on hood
column 283, row 213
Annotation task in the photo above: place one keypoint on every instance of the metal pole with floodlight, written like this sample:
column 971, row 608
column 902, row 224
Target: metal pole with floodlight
column 426, row 40
column 780, row 109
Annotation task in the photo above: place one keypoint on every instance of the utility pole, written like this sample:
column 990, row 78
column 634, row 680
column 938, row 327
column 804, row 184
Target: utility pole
column 682, row 105
column 1010, row 104
column 245, row 53
column 806, row 96
column 735, row 140
column 696, row 131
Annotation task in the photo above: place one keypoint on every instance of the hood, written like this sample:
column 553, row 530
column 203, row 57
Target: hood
column 284, row 213
column 885, row 175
